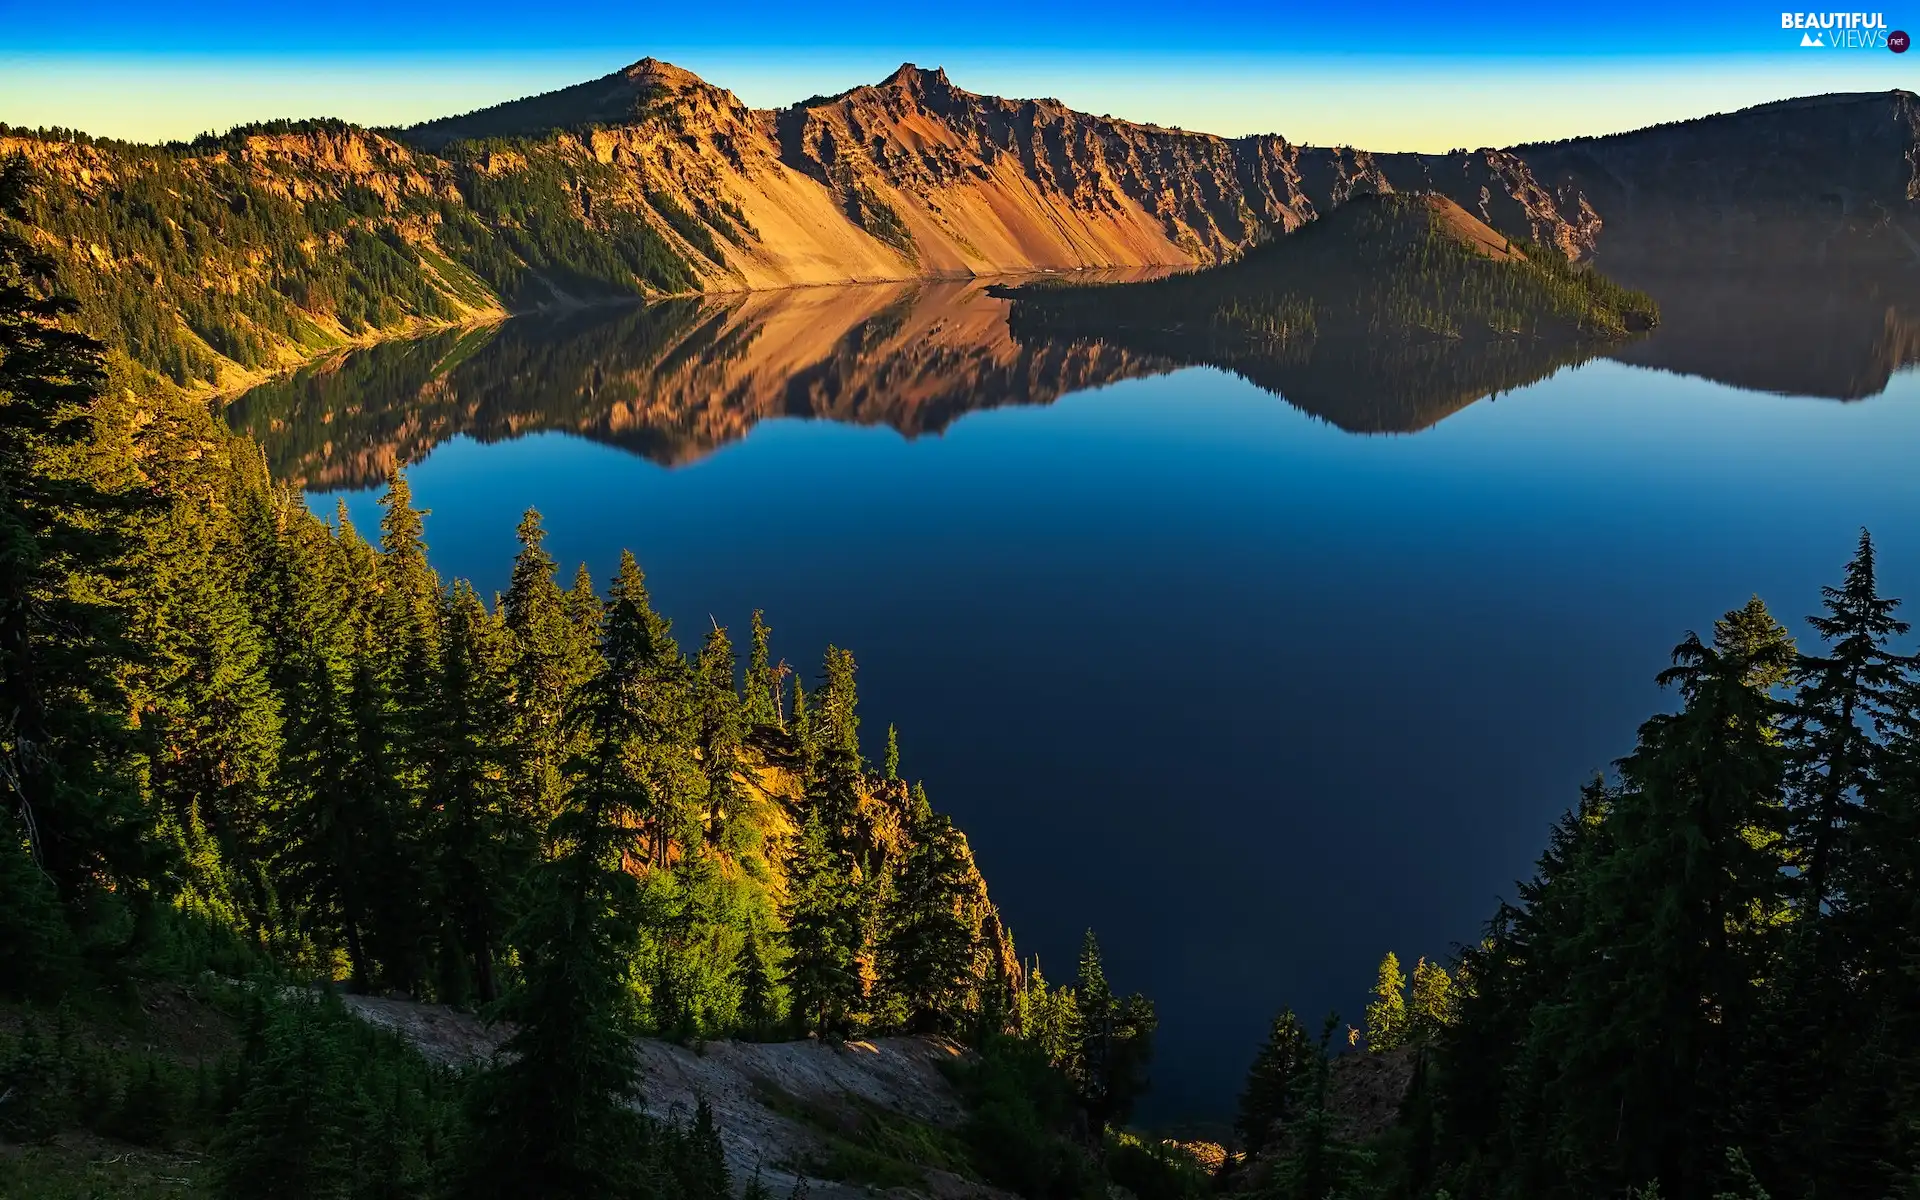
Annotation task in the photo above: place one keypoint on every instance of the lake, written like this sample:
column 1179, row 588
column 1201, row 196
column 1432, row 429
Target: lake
column 1256, row 696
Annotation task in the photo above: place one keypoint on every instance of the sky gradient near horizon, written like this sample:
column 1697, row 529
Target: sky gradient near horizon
column 1388, row 75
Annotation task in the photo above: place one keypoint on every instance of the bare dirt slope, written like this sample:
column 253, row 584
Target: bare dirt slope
column 782, row 1108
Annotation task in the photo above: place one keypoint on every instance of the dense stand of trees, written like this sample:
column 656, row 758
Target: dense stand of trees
column 242, row 742
column 1707, row 990
column 1377, row 267
column 255, row 249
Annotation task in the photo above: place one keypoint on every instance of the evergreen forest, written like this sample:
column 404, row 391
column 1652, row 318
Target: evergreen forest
column 272, row 760
column 1384, row 268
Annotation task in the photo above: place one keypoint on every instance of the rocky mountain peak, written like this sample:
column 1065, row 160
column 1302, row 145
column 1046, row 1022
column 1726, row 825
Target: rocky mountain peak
column 651, row 74
column 911, row 78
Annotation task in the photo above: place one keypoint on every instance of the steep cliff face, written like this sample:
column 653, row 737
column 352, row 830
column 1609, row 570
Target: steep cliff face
column 914, row 176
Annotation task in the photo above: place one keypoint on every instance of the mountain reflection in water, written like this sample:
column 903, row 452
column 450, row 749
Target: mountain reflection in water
column 675, row 380
column 670, row 381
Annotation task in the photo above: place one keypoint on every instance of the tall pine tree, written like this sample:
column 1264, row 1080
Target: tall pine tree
column 64, row 746
column 555, row 1116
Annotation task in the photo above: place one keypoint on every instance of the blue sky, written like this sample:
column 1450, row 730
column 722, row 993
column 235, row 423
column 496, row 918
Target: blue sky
column 1386, row 75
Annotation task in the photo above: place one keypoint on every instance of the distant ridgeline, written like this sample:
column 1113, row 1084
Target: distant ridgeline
column 207, row 264
column 1390, row 312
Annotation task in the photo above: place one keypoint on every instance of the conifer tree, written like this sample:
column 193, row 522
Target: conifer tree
column 209, row 719
column 1840, row 698
column 926, row 944
column 822, row 933
column 395, row 929
column 761, row 703
column 64, row 746
column 1432, row 1006
column 1271, row 1095
column 720, row 720
column 288, row 1135
column 1871, row 1059
column 759, row 1003
column 554, row 1116
column 543, row 676
column 1387, row 1011
column 480, row 848
column 893, row 754
column 1684, row 912
column 703, row 1161
column 328, row 827
column 1113, row 1042
column 1495, row 1059
column 584, row 612
column 1047, row 1018
column 837, row 704
column 407, row 618
column 800, row 724
column 668, row 751
column 836, row 782
column 1320, row 1166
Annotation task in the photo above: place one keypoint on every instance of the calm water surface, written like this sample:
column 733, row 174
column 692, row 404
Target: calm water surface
column 1258, row 697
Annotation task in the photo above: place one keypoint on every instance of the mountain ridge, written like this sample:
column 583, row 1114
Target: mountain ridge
column 212, row 264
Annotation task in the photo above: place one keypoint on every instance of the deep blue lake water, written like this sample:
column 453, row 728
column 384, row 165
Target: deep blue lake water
column 1256, row 697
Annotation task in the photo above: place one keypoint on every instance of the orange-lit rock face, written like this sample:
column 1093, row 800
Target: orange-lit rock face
column 914, row 177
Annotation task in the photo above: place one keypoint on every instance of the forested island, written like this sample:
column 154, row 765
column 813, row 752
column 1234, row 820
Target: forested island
column 1388, row 313
column 263, row 767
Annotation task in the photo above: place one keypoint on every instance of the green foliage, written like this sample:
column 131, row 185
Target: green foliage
column 1431, row 1009
column 555, row 1114
column 36, row 1096
column 1376, row 267
column 927, row 946
column 1318, row 1164
column 1380, row 316
column 1021, row 1113
column 72, row 805
column 1270, row 1099
column 147, row 1109
column 329, row 1107
column 822, row 934
column 255, row 248
column 1112, row 1042
column 1387, row 1024
column 1152, row 1171
column 1702, row 968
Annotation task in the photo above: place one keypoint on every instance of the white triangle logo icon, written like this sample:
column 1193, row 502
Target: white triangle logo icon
column 1812, row 39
